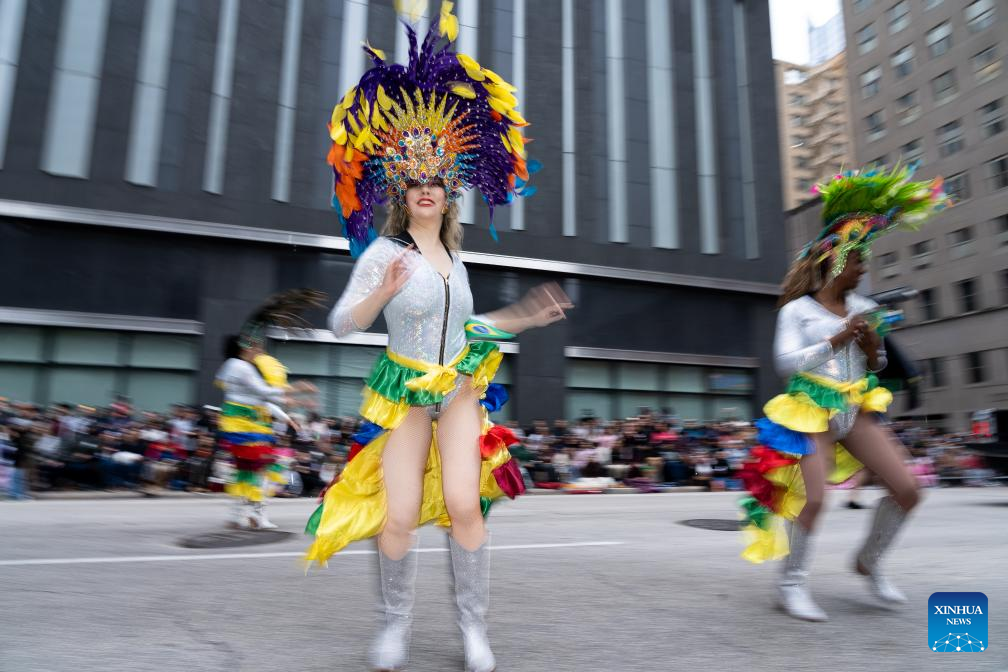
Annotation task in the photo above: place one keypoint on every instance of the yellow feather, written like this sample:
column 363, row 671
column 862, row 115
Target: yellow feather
column 462, row 89
column 378, row 52
column 354, row 125
column 348, row 99
column 507, row 146
column 501, row 95
column 349, row 156
column 448, row 24
column 498, row 80
column 338, row 112
column 472, row 68
column 498, row 105
column 378, row 121
column 383, row 100
column 411, row 9
column 516, row 118
column 338, row 134
column 517, row 141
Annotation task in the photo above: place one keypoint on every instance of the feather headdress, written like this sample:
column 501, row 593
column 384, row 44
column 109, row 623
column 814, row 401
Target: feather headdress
column 440, row 117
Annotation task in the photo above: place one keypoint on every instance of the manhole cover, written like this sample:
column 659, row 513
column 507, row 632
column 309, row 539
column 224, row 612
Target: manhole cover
column 713, row 524
column 234, row 538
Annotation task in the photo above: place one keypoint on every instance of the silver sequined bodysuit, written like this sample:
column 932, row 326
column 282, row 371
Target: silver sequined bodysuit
column 426, row 319
column 803, row 327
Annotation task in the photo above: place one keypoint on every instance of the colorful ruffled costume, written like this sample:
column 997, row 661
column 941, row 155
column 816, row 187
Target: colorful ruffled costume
column 246, row 430
column 253, row 394
column 826, row 390
column 439, row 118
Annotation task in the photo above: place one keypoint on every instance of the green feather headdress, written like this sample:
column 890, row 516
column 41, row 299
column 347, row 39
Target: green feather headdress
column 861, row 205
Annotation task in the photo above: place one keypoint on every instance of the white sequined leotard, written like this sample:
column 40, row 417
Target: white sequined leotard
column 801, row 345
column 426, row 319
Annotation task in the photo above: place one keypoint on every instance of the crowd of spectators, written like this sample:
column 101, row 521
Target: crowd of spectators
column 67, row 446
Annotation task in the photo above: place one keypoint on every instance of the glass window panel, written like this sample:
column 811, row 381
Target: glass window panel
column 303, row 359
column 158, row 390
column 731, row 381
column 685, row 407
column 82, row 385
column 18, row 382
column 503, row 376
column 588, row 373
column 341, row 396
column 355, row 360
column 730, row 408
column 686, row 379
column 164, row 351
column 79, row 346
column 584, row 403
column 20, row 344
column 630, row 403
column 638, row 376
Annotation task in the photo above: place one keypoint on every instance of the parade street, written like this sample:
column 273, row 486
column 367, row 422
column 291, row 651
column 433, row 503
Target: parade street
column 581, row 583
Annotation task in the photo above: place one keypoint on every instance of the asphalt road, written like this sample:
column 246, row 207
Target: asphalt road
column 607, row 583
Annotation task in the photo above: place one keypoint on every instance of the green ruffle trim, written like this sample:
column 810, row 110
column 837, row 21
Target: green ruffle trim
column 756, row 513
column 825, row 397
column 313, row 522
column 389, row 378
column 244, row 476
column 232, row 410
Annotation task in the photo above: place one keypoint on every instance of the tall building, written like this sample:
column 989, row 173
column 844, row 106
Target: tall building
column 812, row 123
column 928, row 84
column 163, row 170
column 826, row 41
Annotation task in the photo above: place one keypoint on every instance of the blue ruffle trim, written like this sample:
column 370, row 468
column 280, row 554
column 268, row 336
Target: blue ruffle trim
column 367, row 433
column 496, row 397
column 782, row 439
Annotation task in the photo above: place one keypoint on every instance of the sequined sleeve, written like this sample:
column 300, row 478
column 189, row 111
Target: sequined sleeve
column 792, row 352
column 366, row 276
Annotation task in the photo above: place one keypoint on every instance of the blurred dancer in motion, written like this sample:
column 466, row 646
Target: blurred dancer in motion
column 255, row 392
column 416, row 137
column 825, row 427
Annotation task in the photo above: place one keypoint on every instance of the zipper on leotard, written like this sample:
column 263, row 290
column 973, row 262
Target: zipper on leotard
column 444, row 328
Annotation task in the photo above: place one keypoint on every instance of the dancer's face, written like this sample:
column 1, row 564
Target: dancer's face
column 426, row 201
column 850, row 277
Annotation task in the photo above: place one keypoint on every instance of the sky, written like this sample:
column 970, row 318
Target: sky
column 789, row 25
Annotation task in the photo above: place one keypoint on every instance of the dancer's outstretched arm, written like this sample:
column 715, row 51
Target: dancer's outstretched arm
column 541, row 306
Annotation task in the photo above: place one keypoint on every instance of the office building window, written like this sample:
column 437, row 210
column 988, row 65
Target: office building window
column 997, row 172
column 950, row 138
column 979, row 15
column 871, row 81
column 939, row 39
column 944, row 86
column 903, row 61
column 986, row 65
column 957, row 186
column 968, row 295
column 867, row 39
column 992, row 118
column 899, row 16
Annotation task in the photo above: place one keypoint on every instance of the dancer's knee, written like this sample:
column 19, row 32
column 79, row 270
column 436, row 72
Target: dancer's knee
column 907, row 495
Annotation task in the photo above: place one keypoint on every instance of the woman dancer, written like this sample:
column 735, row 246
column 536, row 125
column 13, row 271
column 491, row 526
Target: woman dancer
column 829, row 345
column 255, row 388
column 417, row 136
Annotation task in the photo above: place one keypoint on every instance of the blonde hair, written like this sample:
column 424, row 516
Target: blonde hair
column 804, row 277
column 451, row 228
